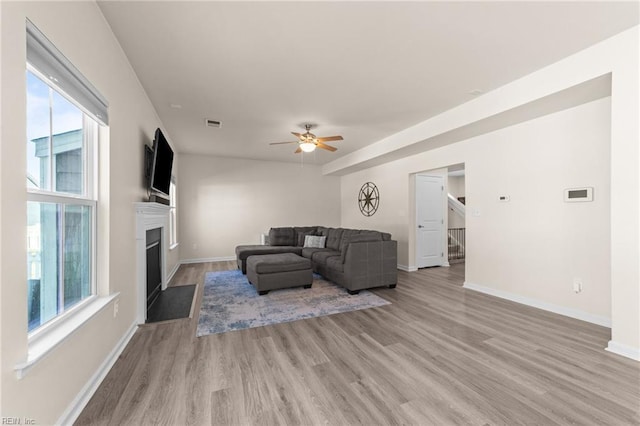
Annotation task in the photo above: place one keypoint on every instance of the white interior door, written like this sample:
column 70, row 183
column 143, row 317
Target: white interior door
column 429, row 220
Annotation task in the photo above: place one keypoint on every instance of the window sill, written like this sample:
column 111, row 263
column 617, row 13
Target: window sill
column 172, row 246
column 44, row 344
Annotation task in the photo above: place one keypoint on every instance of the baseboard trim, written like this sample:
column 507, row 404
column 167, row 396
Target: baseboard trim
column 208, row 259
column 407, row 268
column 623, row 350
column 557, row 309
column 173, row 272
column 81, row 400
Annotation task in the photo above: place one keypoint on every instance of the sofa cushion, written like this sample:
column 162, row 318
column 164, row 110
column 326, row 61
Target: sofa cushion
column 346, row 234
column 363, row 237
column 322, row 256
column 308, row 252
column 314, row 241
column 301, row 237
column 370, row 236
column 333, row 238
column 282, row 237
column 301, row 232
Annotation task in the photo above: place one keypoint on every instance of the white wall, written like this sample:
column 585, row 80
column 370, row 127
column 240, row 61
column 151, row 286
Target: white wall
column 456, row 185
column 79, row 30
column 393, row 214
column 618, row 57
column 225, row 202
column 534, row 245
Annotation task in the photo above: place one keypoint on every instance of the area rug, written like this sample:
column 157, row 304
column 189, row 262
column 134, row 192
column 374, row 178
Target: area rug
column 230, row 303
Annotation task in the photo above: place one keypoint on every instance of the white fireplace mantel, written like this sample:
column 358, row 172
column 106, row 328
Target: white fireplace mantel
column 149, row 216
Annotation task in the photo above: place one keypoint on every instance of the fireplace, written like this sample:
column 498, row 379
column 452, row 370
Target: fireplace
column 154, row 265
column 152, row 224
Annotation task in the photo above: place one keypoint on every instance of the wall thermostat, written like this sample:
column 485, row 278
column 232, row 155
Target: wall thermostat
column 577, row 195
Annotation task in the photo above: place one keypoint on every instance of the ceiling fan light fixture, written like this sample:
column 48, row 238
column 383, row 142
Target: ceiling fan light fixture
column 307, row 146
column 308, row 142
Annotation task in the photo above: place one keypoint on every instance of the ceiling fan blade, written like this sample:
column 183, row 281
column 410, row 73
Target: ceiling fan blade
column 330, row 138
column 297, row 135
column 297, row 151
column 327, row 147
column 280, row 143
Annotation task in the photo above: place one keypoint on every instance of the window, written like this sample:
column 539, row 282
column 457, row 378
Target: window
column 173, row 219
column 63, row 115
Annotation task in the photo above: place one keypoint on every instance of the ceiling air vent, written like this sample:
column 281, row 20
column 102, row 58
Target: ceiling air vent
column 212, row 123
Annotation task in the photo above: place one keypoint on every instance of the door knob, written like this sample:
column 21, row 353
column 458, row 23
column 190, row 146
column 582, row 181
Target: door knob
column 420, row 226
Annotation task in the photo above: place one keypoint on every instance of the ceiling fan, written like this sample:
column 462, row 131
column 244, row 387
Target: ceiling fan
column 308, row 142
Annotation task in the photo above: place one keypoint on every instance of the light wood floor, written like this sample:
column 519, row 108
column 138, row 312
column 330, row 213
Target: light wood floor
column 438, row 355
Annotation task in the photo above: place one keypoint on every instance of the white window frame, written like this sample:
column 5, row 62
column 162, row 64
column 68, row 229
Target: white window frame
column 89, row 198
column 46, row 62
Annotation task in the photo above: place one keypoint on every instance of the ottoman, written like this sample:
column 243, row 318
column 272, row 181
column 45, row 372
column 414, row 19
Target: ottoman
column 277, row 271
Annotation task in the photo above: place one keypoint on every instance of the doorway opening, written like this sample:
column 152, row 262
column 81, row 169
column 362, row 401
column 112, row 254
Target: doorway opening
column 456, row 215
column 440, row 224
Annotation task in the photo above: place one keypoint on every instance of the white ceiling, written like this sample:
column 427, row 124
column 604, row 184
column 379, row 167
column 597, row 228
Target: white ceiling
column 363, row 70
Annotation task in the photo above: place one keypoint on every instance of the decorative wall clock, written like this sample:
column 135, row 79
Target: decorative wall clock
column 368, row 199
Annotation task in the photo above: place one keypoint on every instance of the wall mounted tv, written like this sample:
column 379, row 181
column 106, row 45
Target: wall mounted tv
column 160, row 179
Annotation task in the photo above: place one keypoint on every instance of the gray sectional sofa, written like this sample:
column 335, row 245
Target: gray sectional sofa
column 355, row 259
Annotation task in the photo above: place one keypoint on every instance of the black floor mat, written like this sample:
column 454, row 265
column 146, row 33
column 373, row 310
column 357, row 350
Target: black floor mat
column 173, row 303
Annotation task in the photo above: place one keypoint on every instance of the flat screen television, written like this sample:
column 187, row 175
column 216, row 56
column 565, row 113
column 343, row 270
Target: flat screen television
column 160, row 180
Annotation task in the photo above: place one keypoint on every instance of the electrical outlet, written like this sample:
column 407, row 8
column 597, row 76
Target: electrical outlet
column 577, row 285
column 116, row 308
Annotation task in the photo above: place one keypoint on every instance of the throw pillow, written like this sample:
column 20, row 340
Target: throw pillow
column 302, row 236
column 314, row 241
